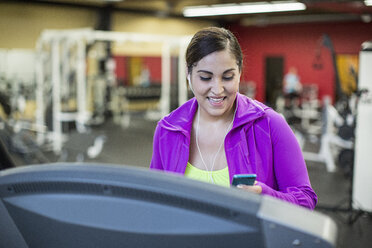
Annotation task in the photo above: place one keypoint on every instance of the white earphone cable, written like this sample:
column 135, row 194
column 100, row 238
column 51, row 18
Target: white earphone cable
column 215, row 156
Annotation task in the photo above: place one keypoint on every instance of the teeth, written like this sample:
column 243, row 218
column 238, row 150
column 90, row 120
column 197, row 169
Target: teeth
column 216, row 100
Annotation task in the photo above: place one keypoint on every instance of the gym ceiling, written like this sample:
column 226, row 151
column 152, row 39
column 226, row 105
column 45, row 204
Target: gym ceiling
column 316, row 10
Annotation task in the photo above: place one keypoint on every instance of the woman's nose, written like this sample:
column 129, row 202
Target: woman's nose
column 217, row 87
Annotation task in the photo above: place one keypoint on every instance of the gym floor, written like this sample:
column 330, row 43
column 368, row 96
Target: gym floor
column 133, row 146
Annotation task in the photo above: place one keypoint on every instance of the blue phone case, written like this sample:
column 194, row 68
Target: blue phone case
column 247, row 179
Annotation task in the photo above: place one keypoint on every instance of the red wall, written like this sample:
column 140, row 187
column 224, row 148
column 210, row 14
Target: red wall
column 154, row 66
column 298, row 43
column 120, row 67
column 152, row 63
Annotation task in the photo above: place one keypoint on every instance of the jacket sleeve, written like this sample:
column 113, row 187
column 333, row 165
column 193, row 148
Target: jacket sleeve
column 292, row 179
column 156, row 163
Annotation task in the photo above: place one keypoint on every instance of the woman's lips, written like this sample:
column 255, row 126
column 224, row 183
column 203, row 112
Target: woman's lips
column 216, row 101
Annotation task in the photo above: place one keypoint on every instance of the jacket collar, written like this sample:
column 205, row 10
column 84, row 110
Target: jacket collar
column 248, row 110
column 181, row 119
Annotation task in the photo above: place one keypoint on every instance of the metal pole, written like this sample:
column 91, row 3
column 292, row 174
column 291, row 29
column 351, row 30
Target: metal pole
column 182, row 85
column 81, row 84
column 165, row 80
column 56, row 81
column 40, row 108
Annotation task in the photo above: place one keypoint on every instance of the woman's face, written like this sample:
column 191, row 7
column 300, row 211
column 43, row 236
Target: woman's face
column 215, row 82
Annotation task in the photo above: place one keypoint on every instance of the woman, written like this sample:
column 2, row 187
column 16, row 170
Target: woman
column 220, row 133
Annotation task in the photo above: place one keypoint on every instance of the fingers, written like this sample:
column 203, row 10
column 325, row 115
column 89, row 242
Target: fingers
column 255, row 188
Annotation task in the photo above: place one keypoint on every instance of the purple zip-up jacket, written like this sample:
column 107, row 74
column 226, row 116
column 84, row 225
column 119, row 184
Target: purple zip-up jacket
column 259, row 142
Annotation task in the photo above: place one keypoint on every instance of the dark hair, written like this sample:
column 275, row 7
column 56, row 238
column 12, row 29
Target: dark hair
column 209, row 40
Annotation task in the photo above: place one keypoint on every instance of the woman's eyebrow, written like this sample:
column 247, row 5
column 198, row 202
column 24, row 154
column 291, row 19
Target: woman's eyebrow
column 228, row 70
column 205, row 72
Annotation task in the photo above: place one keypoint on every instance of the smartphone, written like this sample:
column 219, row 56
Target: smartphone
column 247, row 179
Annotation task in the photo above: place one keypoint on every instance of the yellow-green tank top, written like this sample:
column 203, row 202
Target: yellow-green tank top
column 220, row 177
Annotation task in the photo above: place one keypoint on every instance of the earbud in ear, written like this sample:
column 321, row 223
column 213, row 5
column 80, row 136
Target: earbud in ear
column 189, row 81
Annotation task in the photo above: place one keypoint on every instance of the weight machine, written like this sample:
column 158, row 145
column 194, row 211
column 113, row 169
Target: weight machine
column 336, row 132
column 330, row 140
column 53, row 70
column 362, row 184
column 359, row 200
column 17, row 102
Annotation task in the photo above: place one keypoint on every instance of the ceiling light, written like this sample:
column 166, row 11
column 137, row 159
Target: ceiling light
column 242, row 8
column 368, row 2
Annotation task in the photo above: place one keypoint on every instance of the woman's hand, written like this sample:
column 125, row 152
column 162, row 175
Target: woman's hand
column 254, row 188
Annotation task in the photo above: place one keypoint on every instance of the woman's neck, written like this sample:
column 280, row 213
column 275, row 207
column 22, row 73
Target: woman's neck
column 224, row 119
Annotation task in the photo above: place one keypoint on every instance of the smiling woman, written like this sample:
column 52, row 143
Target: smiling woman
column 220, row 133
column 215, row 84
